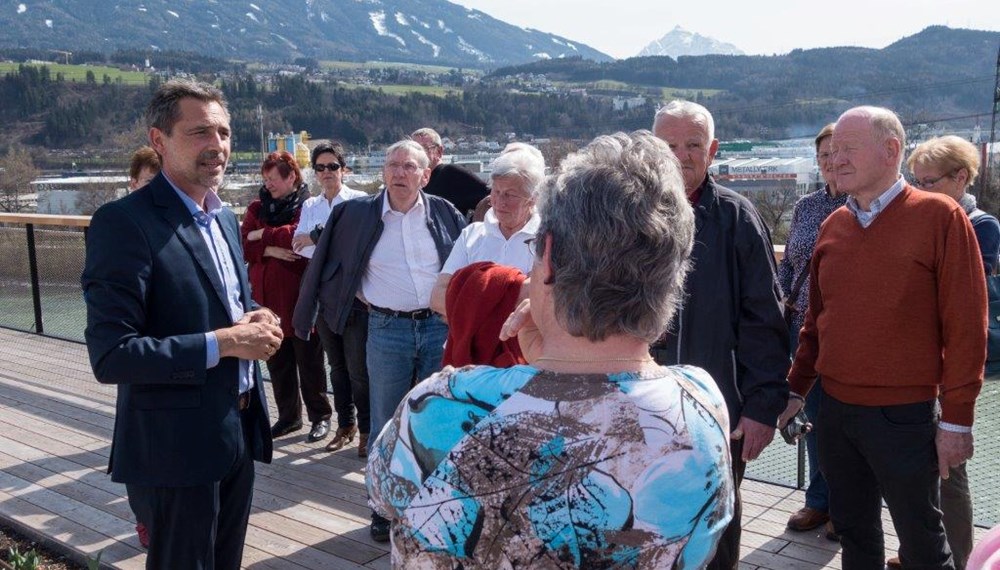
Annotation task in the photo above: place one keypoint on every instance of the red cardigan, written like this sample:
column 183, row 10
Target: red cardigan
column 897, row 310
column 274, row 282
column 480, row 297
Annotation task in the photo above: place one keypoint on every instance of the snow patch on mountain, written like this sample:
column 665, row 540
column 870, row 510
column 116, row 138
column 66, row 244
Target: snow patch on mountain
column 434, row 47
column 378, row 22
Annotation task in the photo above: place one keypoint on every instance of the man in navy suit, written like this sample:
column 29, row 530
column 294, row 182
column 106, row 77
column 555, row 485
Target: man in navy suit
column 171, row 322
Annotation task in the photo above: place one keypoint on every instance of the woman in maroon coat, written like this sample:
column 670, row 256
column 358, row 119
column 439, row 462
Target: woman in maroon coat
column 275, row 272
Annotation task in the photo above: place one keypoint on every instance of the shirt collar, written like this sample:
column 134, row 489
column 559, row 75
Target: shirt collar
column 530, row 227
column 385, row 203
column 878, row 204
column 213, row 204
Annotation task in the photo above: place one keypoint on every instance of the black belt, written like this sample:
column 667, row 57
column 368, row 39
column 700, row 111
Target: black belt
column 243, row 402
column 418, row 315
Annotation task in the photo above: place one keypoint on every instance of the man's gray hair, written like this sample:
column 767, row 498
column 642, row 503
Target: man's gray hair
column 885, row 125
column 412, row 147
column 687, row 110
column 622, row 232
column 427, row 132
column 521, row 161
column 164, row 110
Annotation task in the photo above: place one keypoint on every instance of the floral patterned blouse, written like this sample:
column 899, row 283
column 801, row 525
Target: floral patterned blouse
column 521, row 468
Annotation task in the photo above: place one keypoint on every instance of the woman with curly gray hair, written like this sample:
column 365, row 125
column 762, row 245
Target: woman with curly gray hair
column 592, row 455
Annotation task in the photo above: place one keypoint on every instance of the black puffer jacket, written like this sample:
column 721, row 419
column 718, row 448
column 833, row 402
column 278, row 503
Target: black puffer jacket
column 731, row 323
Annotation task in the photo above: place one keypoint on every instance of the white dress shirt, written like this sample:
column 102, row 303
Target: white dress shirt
column 404, row 264
column 483, row 241
column 316, row 211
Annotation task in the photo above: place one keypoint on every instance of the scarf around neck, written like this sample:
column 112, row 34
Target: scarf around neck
column 281, row 211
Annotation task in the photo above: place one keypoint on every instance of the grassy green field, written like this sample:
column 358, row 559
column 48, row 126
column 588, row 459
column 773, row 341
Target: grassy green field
column 677, row 93
column 78, row 73
column 389, row 65
column 436, row 90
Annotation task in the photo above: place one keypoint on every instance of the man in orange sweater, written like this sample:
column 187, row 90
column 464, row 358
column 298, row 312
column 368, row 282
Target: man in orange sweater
column 897, row 316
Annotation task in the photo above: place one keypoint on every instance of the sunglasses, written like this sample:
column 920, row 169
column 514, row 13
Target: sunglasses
column 332, row 167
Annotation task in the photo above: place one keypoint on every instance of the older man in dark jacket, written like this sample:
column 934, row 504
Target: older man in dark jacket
column 383, row 254
column 731, row 323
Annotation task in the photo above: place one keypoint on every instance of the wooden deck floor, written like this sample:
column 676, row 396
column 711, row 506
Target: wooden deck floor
column 309, row 505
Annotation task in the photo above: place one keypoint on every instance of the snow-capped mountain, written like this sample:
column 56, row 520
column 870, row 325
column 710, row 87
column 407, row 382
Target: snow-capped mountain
column 680, row 42
column 418, row 31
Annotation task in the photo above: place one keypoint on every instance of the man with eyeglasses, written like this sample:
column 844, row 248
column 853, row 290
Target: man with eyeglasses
column 385, row 251
column 453, row 183
column 896, row 319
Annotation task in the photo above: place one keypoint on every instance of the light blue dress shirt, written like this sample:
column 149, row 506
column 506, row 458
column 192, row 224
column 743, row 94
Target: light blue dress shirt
column 211, row 232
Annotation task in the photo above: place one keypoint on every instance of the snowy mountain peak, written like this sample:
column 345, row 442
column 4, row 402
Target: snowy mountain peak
column 680, row 42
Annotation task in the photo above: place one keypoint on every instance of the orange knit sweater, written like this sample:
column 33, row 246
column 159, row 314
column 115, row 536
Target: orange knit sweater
column 897, row 311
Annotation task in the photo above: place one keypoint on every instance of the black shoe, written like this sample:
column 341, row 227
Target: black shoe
column 319, row 431
column 281, row 428
column 379, row 528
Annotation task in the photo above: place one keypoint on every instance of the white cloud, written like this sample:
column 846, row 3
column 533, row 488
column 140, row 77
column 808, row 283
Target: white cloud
column 21, row 8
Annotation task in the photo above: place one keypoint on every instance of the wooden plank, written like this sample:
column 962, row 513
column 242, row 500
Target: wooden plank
column 46, row 220
column 310, row 508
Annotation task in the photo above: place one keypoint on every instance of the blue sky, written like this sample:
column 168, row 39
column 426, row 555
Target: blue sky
column 623, row 27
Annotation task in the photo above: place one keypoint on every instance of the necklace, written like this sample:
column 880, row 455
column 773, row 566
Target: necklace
column 592, row 360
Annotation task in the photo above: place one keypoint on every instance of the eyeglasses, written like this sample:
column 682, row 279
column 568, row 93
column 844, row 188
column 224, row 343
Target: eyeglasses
column 332, row 167
column 407, row 167
column 930, row 182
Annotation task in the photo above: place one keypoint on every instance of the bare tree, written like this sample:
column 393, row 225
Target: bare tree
column 775, row 206
column 555, row 150
column 17, row 170
column 89, row 199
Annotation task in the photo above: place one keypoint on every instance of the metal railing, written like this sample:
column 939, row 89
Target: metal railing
column 41, row 258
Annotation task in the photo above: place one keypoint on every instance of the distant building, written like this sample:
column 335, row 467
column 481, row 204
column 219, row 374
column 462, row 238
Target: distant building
column 74, row 195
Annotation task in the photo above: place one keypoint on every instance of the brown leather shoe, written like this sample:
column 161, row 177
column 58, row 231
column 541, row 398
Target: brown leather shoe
column 344, row 436
column 807, row 518
column 893, row 563
column 363, row 446
column 830, row 533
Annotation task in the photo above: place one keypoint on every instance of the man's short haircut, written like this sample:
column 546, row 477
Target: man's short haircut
column 521, row 161
column 621, row 231
column 824, row 133
column 143, row 158
column 413, row 148
column 948, row 154
column 429, row 133
column 885, row 125
column 164, row 110
column 687, row 110
column 333, row 147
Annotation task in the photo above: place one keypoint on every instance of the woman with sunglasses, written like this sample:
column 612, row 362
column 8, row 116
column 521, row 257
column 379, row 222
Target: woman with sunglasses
column 346, row 352
column 949, row 165
column 329, row 165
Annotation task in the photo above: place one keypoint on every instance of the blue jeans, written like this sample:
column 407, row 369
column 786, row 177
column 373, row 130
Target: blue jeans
column 817, row 493
column 401, row 352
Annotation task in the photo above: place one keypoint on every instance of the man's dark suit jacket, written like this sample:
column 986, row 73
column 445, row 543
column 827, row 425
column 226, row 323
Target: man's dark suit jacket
column 152, row 292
